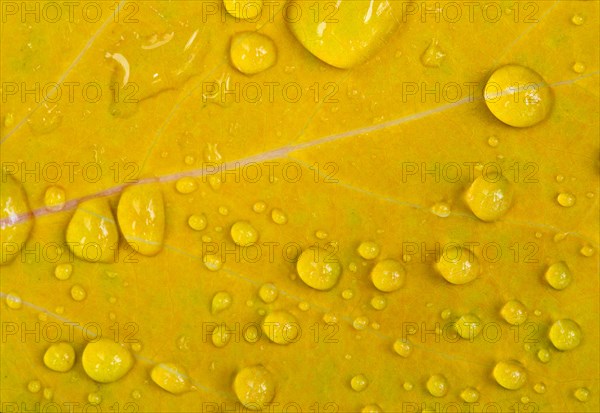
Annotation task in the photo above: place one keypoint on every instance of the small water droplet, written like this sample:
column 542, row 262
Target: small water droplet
column 186, row 185
column 136, row 394
column 223, row 210
column 34, row 386
column 189, row 160
column 433, row 55
column 94, row 398
column 359, row 382
column 587, row 251
column 437, row 385
column 558, row 275
column 577, row 19
column 54, row 198
column 408, row 386
column 221, row 301
column 539, row 388
column 259, row 207
column 582, row 394
column 252, row 52
column 470, row 395
column 514, row 312
column 445, row 314
column 243, row 233
column 510, row 374
column 171, row 377
column 268, row 293
column 212, row 262
column 578, row 67
column 566, row 199
column 48, row 393
column 403, row 347
column 78, row 293
column 379, row 302
column 14, row 301
column 278, row 216
column 215, row 182
column 360, row 323
column 320, row 234
column 441, row 209
column 197, row 222
column 347, row 294
column 565, row 334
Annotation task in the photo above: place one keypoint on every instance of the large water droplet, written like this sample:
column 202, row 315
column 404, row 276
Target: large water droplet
column 565, row 334
column 488, row 198
column 437, row 385
column 106, row 361
column 254, row 386
column 319, row 268
column 558, row 275
column 510, row 374
column 388, row 275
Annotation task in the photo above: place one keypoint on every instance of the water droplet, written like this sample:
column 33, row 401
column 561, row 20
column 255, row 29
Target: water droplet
column 558, row 275
column 106, row 361
column 60, row 357
column 171, row 377
column 46, row 118
column 352, row 267
column 538, row 235
column 441, row 209
column 220, row 336
column 243, row 233
column 470, row 395
column 565, row 334
column 141, row 215
column 281, row 327
column 510, row 374
column 304, row 306
column 94, row 398
column 360, row 323
column 378, row 302
column 254, row 386
column 493, row 141
column 318, row 268
column 582, row 394
column 489, row 199
column 14, row 301
column 278, row 216
column 186, row 185
column 403, row 347
column 92, row 233
column 510, row 97
column 587, row 251
column 388, row 275
column 539, row 388
column 55, row 198
column 408, row 386
column 34, row 386
column 330, row 318
column 320, row 234
column 543, row 355
column 368, row 250
column 136, row 394
column 359, row 382
column 468, row 326
column 445, row 314
column 259, row 207
column 371, row 408
column 252, row 52
column 183, row 342
column 78, row 293
column 137, row 347
column 212, row 262
column 63, row 271
column 347, row 294
column 268, row 293
column 433, row 55
column 197, row 222
column 514, row 312
column 566, row 199
column 458, row 265
column 560, row 178
column 215, row 181
column 243, row 9
column 221, row 301
column 251, row 334
column 13, row 203
column 9, row 120
column 525, row 400
column 437, row 385
column 578, row 67
column 48, row 393
column 577, row 19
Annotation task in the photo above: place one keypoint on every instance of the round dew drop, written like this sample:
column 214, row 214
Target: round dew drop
column 566, row 199
column 458, row 265
column 14, row 301
column 565, row 334
column 252, row 52
column 437, row 385
column 106, row 361
column 34, row 386
column 243, row 9
column 220, row 336
column 63, row 271
column 359, row 382
column 212, row 262
column 518, row 96
column 371, row 408
column 582, row 394
column 470, row 395
column 510, row 374
column 60, row 357
column 254, row 387
column 55, row 198
column 489, row 198
column 221, row 301
column 468, row 326
column 78, row 293
column 543, row 355
column 514, row 312
column 318, row 268
column 197, row 222
column 388, row 275
column 558, row 275
column 369, row 250
column 268, row 293
column 186, row 185
column 379, row 302
column 281, row 327
column 171, row 377
column 243, row 234
column 278, row 216
column 403, row 347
